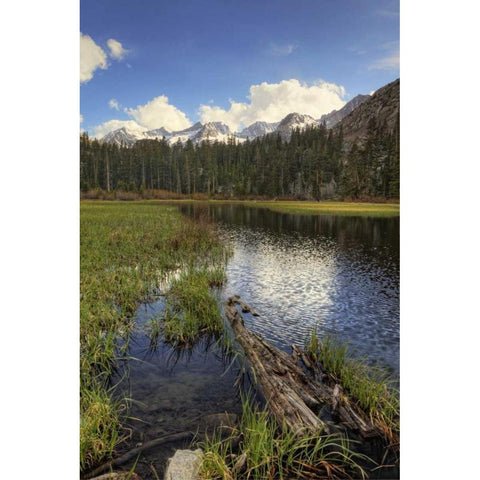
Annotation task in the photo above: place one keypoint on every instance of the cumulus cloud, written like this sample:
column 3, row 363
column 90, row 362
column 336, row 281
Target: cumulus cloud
column 92, row 57
column 159, row 113
column 116, row 49
column 114, row 104
column 270, row 102
column 100, row 131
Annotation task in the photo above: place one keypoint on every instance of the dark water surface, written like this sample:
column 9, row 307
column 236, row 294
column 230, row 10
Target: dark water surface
column 340, row 274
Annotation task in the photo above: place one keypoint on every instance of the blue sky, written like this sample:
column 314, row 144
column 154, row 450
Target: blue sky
column 174, row 63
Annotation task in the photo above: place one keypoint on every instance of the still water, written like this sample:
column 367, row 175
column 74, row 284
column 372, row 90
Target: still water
column 340, row 274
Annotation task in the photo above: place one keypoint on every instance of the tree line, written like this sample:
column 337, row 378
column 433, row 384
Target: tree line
column 315, row 163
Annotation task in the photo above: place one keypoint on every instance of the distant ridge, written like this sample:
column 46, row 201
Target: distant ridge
column 353, row 117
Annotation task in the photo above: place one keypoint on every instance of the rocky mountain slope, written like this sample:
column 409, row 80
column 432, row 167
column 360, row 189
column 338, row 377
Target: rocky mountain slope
column 258, row 129
column 332, row 118
column 383, row 106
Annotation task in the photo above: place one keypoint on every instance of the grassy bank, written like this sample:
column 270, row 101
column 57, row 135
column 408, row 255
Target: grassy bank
column 332, row 208
column 374, row 208
column 125, row 251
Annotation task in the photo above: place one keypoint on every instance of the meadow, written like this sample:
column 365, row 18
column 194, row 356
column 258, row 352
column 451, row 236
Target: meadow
column 125, row 252
column 134, row 252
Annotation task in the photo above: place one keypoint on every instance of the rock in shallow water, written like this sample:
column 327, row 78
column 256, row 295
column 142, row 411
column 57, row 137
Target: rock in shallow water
column 222, row 422
column 184, row 465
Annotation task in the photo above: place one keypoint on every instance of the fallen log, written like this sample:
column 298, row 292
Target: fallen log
column 245, row 308
column 293, row 396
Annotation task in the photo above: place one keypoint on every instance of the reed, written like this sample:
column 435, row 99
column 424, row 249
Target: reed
column 371, row 387
column 191, row 309
column 266, row 452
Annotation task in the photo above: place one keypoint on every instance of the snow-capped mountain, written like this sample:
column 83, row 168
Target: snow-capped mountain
column 213, row 131
column 183, row 136
column 332, row 118
column 220, row 132
column 157, row 133
column 123, row 136
column 293, row 121
column 258, row 129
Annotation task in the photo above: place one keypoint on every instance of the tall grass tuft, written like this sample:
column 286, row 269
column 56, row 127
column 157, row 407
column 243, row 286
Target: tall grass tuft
column 99, row 432
column 371, row 387
column 191, row 309
column 266, row 452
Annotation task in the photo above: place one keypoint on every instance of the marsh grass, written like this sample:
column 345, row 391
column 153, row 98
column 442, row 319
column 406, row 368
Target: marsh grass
column 126, row 250
column 332, row 208
column 371, row 387
column 99, row 432
column 258, row 449
column 366, row 209
column 153, row 330
column 191, row 309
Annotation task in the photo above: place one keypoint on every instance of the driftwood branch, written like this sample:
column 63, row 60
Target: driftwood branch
column 135, row 451
column 292, row 395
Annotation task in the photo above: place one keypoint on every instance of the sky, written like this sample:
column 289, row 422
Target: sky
column 151, row 64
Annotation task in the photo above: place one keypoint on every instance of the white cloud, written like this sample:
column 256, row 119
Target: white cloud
column 81, row 118
column 159, row 113
column 282, row 50
column 116, row 49
column 91, row 57
column 100, row 131
column 391, row 62
column 387, row 13
column 270, row 102
column 114, row 104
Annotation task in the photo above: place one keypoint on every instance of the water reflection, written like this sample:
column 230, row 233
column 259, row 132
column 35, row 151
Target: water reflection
column 340, row 273
column 172, row 390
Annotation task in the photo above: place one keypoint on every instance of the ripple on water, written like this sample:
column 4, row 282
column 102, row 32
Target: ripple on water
column 340, row 274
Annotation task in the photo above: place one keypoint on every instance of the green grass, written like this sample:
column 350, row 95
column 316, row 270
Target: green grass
column 332, row 208
column 266, row 452
column 363, row 209
column 372, row 388
column 99, row 425
column 126, row 249
column 191, row 310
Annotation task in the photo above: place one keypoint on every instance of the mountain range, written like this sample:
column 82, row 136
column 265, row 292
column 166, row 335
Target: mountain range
column 353, row 117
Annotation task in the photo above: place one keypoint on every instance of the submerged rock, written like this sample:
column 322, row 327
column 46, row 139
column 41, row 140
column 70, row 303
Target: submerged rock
column 222, row 422
column 184, row 465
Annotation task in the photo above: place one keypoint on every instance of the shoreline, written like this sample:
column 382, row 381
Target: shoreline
column 298, row 207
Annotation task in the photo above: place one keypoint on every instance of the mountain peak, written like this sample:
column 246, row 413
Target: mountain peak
column 295, row 121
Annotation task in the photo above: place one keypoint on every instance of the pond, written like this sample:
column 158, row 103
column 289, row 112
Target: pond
column 338, row 274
